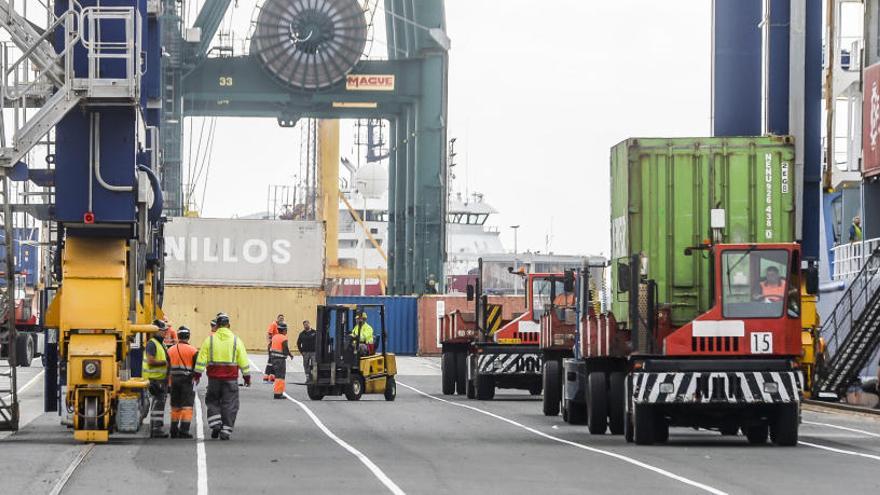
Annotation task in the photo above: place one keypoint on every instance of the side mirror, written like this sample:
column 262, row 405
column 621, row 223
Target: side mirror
column 568, row 281
column 470, row 292
column 812, row 279
column 623, row 277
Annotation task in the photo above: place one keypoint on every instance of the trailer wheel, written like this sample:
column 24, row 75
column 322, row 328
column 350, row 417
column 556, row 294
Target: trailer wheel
column 552, row 388
column 757, row 435
column 355, row 389
column 390, row 388
column 24, row 350
column 485, row 387
column 644, row 423
column 447, row 372
column 597, row 403
column 314, row 393
column 784, row 428
column 616, row 402
column 461, row 372
column 628, row 427
column 576, row 412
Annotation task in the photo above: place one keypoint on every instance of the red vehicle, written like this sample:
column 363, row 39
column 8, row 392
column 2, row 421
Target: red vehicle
column 482, row 351
column 734, row 367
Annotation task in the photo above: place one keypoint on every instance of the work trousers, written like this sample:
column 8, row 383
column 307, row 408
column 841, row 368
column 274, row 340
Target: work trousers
column 308, row 359
column 158, row 395
column 222, row 403
column 279, row 368
column 183, row 395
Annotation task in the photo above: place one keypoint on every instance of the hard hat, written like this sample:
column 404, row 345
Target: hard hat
column 214, row 322
column 183, row 333
column 160, row 325
column 222, row 319
column 282, row 326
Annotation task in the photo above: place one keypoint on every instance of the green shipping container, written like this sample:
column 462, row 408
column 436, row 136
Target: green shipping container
column 662, row 194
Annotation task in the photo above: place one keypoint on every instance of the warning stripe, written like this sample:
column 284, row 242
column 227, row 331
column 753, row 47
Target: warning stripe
column 493, row 318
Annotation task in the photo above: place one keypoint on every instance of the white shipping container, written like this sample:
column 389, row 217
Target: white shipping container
column 258, row 253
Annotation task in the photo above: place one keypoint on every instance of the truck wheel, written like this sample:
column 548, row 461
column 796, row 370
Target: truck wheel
column 390, row 389
column 355, row 389
column 577, row 412
column 485, row 387
column 447, row 372
column 461, row 359
column 616, row 402
column 471, row 390
column 661, row 428
column 314, row 393
column 729, row 430
column 536, row 388
column 563, row 409
column 597, row 403
column 628, row 427
column 643, row 422
column 24, row 350
column 552, row 388
column 784, row 428
column 757, row 435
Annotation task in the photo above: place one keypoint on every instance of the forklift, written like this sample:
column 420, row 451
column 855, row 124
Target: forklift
column 342, row 366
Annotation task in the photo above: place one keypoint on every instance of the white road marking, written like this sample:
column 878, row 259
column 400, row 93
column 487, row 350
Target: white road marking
column 839, row 451
column 621, row 457
column 201, row 458
column 65, row 476
column 376, row 470
column 854, row 430
column 28, row 384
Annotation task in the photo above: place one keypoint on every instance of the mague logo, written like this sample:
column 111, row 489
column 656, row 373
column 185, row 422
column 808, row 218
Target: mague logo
column 875, row 115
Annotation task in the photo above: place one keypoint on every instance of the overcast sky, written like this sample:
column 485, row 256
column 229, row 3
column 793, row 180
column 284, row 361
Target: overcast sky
column 539, row 92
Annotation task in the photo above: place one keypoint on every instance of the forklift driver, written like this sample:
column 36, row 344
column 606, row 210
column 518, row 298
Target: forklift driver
column 363, row 330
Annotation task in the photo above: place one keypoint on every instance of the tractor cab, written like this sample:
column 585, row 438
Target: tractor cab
column 344, row 365
column 756, row 305
column 544, row 292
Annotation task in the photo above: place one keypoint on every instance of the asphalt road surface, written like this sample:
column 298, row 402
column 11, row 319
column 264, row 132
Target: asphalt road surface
column 425, row 442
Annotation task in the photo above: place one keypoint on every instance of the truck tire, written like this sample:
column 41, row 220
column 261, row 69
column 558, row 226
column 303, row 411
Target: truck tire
column 616, row 402
column 314, row 393
column 757, row 435
column 447, row 372
column 535, row 389
column 575, row 413
column 355, row 389
column 485, row 387
column 390, row 389
column 643, row 425
column 461, row 359
column 471, row 390
column 661, row 428
column 24, row 350
column 597, row 403
column 628, row 427
column 784, row 428
column 551, row 377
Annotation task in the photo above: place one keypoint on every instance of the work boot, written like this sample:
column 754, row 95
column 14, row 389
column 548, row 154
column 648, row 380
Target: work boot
column 174, row 431
column 184, row 435
column 224, row 435
column 265, row 378
column 215, row 432
column 158, row 434
column 279, row 396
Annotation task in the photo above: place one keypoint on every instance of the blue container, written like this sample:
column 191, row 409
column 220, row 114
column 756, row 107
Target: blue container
column 26, row 253
column 401, row 319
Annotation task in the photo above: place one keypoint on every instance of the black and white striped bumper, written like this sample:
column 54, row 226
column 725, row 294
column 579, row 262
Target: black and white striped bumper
column 509, row 364
column 750, row 387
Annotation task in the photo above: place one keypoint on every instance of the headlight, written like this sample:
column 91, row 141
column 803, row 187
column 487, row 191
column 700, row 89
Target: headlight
column 91, row 368
column 771, row 388
column 666, row 388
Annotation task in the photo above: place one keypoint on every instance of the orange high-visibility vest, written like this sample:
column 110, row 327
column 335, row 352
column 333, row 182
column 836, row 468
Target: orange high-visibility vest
column 774, row 291
column 276, row 350
column 182, row 358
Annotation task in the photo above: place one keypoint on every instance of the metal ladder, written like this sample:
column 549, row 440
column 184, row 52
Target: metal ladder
column 9, row 412
column 55, row 83
column 852, row 331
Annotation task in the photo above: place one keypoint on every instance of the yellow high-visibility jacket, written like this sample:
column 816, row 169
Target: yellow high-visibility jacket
column 159, row 372
column 222, row 355
column 365, row 331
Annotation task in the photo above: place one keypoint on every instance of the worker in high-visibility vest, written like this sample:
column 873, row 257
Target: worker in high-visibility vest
column 271, row 332
column 362, row 333
column 182, row 358
column 279, row 352
column 170, row 333
column 773, row 286
column 155, row 369
column 221, row 356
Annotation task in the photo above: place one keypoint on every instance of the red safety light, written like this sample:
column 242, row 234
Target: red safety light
column 89, row 217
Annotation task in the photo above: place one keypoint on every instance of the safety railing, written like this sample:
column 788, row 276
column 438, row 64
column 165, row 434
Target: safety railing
column 849, row 257
column 106, row 55
column 852, row 330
